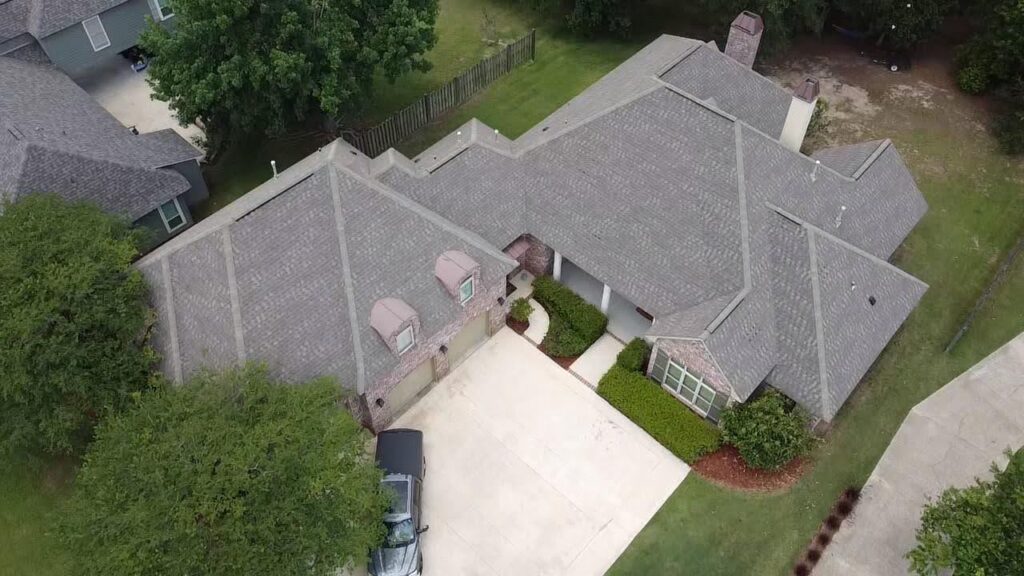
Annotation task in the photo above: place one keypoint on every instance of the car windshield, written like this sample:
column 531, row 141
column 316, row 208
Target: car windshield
column 401, row 533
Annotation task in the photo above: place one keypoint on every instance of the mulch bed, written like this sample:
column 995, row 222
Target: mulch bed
column 563, row 361
column 725, row 468
column 519, row 327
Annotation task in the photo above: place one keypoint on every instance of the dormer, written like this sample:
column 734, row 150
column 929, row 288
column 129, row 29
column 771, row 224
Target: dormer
column 458, row 274
column 396, row 322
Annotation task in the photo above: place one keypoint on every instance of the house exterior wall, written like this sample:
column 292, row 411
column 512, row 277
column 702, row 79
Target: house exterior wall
column 538, row 257
column 484, row 302
column 694, row 355
column 70, row 50
column 156, row 232
column 194, row 174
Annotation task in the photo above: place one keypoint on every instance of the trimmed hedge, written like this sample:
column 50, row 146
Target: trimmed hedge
column 768, row 432
column 575, row 323
column 640, row 399
column 634, row 356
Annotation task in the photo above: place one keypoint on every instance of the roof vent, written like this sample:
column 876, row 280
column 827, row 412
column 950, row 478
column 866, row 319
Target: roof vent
column 453, row 268
column 871, row 300
column 389, row 316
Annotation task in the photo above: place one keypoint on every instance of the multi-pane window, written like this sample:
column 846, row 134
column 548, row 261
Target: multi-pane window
column 164, row 8
column 96, row 32
column 688, row 386
column 405, row 340
column 171, row 214
column 466, row 290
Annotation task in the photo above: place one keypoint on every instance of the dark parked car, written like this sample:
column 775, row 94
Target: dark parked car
column 400, row 455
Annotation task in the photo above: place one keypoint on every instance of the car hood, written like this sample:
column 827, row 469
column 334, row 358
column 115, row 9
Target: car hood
column 395, row 561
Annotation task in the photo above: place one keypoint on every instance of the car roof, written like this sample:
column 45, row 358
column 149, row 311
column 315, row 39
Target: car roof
column 400, row 451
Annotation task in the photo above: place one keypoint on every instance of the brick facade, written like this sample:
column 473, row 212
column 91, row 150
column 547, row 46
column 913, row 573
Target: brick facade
column 429, row 349
column 694, row 355
column 538, row 257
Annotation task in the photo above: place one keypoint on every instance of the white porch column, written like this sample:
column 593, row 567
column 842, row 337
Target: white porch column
column 557, row 271
column 606, row 296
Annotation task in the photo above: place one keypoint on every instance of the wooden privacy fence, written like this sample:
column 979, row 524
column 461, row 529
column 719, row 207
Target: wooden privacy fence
column 403, row 123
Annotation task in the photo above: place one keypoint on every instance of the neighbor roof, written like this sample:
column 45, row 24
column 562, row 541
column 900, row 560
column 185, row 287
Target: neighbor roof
column 41, row 18
column 289, row 274
column 55, row 138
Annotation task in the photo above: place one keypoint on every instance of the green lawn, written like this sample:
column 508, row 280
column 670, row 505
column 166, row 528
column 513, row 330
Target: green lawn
column 28, row 502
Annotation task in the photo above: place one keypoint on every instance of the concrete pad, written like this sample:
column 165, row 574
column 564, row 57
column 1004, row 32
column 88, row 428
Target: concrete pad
column 593, row 363
column 529, row 472
column 539, row 322
column 949, row 439
column 126, row 95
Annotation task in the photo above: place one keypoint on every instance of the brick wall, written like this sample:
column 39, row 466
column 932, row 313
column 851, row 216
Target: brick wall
column 427, row 348
column 694, row 355
column 538, row 257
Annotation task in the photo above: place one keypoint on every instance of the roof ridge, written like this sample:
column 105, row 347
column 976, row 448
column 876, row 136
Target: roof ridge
column 346, row 273
column 704, row 103
column 819, row 324
column 882, row 147
column 663, row 69
column 236, row 305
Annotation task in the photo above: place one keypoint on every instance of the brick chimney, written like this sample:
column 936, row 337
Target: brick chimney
column 744, row 38
column 801, row 108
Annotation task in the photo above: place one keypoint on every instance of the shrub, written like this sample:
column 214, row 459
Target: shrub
column 520, row 310
column 575, row 323
column 684, row 433
column 634, row 356
column 1009, row 130
column 973, row 79
column 766, row 433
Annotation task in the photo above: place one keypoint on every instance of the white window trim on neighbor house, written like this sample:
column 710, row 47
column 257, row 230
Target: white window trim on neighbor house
column 463, row 296
column 167, row 220
column 95, row 20
column 412, row 340
column 158, row 9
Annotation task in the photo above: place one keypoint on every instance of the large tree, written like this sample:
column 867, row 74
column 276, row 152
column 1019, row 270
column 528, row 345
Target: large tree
column 229, row 474
column 977, row 530
column 255, row 65
column 73, row 318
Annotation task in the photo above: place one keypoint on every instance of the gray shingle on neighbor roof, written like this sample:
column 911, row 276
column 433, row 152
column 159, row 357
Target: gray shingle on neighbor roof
column 42, row 18
column 15, row 17
column 848, row 159
column 711, row 75
column 55, row 138
column 300, row 287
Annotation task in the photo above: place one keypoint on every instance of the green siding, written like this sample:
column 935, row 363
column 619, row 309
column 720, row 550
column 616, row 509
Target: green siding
column 156, row 232
column 71, row 51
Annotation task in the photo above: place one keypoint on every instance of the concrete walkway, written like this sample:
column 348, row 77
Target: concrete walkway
column 949, row 439
column 539, row 322
column 592, row 365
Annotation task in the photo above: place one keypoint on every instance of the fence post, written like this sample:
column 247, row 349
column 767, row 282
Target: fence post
column 508, row 57
column 426, row 106
column 533, row 43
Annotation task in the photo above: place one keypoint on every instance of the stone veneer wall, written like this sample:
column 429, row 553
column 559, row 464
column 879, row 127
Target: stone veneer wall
column 694, row 355
column 428, row 348
column 538, row 257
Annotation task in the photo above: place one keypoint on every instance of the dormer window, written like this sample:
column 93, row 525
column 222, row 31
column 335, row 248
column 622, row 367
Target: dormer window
column 406, row 340
column 466, row 291
column 457, row 273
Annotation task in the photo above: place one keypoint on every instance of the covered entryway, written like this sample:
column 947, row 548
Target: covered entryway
column 468, row 339
column 625, row 322
column 410, row 386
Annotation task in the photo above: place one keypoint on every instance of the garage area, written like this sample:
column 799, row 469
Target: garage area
column 529, row 472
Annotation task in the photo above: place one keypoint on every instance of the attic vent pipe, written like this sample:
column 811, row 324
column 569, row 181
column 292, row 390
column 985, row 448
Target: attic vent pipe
column 273, row 166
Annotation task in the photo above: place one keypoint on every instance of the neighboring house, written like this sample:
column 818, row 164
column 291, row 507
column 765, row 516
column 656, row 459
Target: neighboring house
column 77, row 36
column 671, row 193
column 55, row 138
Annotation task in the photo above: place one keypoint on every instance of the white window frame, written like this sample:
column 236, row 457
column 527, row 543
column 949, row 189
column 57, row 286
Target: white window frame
column 412, row 340
column 102, row 29
column 166, row 220
column 472, row 290
column 158, row 10
column 683, row 394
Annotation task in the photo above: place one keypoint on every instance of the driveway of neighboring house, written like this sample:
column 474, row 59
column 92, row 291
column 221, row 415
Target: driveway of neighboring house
column 529, row 472
column 125, row 94
column 947, row 440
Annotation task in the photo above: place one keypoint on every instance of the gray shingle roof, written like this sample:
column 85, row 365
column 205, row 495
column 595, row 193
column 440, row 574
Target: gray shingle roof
column 286, row 273
column 55, row 138
column 847, row 160
column 692, row 212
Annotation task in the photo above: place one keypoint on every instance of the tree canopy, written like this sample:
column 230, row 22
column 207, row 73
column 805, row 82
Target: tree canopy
column 229, row 474
column 977, row 530
column 73, row 317
column 249, row 66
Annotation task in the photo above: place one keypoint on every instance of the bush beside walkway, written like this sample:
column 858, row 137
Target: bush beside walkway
column 575, row 323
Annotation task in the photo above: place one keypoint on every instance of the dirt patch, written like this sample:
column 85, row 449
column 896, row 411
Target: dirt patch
column 726, row 468
column 517, row 326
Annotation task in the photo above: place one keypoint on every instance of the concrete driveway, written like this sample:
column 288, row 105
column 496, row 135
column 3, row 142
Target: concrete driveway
column 529, row 472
